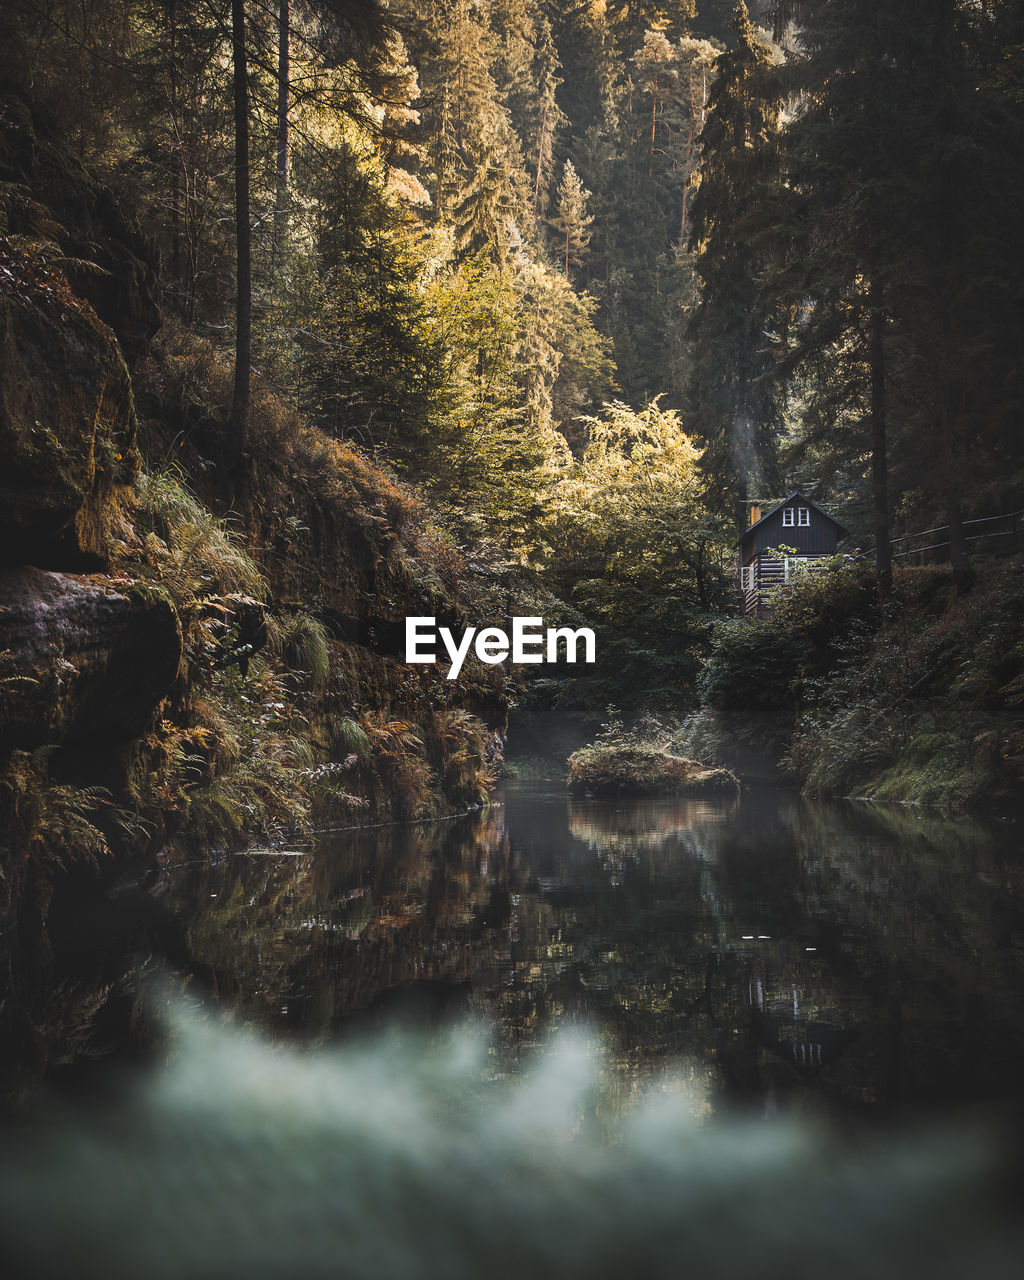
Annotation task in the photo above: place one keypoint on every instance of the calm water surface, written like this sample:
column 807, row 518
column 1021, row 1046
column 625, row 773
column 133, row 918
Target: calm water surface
column 832, row 958
column 713, row 1038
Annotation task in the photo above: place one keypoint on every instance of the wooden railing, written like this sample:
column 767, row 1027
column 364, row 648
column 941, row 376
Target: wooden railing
column 1010, row 525
column 766, row 571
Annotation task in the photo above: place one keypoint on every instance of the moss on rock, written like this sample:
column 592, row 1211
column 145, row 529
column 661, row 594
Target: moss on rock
column 611, row 769
column 67, row 418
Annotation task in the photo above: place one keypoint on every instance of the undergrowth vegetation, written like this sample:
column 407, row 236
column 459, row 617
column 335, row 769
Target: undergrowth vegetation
column 290, row 710
column 922, row 703
column 270, row 735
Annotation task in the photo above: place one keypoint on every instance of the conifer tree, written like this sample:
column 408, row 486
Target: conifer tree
column 733, row 407
column 283, row 122
column 546, row 119
column 896, row 162
column 479, row 174
column 572, row 221
column 632, row 19
column 847, row 237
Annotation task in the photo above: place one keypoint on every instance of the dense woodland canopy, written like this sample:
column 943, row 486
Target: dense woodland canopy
column 589, row 274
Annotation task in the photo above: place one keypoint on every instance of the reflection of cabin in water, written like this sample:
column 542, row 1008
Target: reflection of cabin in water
column 795, row 536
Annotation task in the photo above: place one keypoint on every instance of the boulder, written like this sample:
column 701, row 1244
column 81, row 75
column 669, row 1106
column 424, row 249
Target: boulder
column 84, row 659
column 621, row 769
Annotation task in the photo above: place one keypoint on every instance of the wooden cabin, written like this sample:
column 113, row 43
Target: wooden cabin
column 794, row 536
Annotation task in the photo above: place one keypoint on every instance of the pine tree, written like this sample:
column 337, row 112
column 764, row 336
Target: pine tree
column 284, row 158
column 630, row 20
column 478, row 165
column 572, row 221
column 733, row 406
column 546, row 121
column 844, row 153
column 899, row 229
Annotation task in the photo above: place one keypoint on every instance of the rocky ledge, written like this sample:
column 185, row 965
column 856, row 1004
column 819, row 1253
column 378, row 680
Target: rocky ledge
column 84, row 658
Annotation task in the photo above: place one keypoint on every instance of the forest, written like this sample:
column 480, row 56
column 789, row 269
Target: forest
column 319, row 314
column 351, row 351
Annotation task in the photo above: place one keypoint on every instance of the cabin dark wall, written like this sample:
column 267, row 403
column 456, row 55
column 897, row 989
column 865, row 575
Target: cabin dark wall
column 819, row 538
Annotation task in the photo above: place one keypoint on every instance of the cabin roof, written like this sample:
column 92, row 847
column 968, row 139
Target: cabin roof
column 843, row 531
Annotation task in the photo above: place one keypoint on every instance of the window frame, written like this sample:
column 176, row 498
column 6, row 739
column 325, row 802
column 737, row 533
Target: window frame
column 803, row 517
column 789, row 518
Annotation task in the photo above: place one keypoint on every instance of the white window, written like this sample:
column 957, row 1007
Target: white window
column 787, row 517
column 804, row 515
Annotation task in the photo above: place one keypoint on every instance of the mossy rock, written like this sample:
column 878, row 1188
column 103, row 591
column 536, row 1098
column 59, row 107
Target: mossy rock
column 85, row 659
column 67, row 419
column 637, row 770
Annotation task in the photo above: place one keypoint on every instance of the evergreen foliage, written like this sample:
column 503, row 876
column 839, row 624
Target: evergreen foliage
column 733, row 403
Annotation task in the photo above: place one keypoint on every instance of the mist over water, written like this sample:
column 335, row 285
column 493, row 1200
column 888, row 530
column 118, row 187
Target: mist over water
column 560, row 1038
column 412, row 1157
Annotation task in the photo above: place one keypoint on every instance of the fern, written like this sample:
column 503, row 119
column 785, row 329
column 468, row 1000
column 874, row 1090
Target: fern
column 193, row 552
column 52, row 820
column 302, row 643
column 350, row 738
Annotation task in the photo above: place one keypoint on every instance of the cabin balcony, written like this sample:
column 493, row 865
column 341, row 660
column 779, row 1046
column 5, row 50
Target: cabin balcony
column 769, row 570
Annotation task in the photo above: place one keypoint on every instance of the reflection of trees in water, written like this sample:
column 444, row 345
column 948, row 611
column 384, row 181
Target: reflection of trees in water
column 925, row 923
column 293, row 943
column 873, row 937
column 616, row 928
column 750, row 941
column 69, row 997
column 46, row 1028
column 301, row 942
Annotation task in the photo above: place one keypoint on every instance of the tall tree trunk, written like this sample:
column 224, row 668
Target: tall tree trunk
column 879, row 464
column 963, row 574
column 654, row 126
column 541, row 145
column 238, row 427
column 176, row 161
column 284, row 158
column 950, row 276
column 687, row 174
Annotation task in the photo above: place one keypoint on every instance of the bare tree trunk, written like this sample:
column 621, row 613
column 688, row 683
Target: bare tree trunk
column 654, row 125
column 284, row 158
column 952, row 223
column 879, row 464
column 238, row 427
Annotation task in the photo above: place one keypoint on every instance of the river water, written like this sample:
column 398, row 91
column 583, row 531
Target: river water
column 609, row 1006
